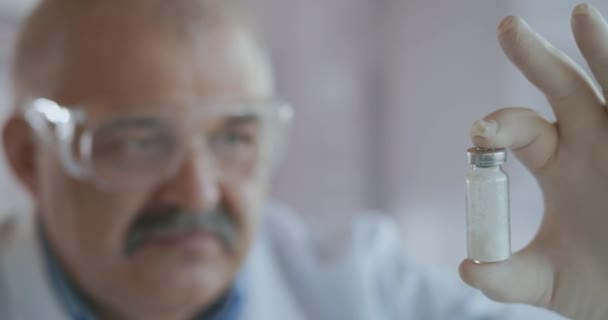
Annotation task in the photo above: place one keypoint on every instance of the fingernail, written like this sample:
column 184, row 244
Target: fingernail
column 484, row 128
column 585, row 9
column 581, row 9
column 506, row 24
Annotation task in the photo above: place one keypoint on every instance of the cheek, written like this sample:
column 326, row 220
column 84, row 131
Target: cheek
column 251, row 198
column 82, row 219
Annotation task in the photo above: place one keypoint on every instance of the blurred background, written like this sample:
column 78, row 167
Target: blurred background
column 385, row 92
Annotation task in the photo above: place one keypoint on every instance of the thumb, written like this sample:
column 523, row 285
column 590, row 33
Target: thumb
column 527, row 277
column 532, row 138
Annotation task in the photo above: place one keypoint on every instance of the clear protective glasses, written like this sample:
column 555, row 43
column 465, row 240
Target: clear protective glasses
column 137, row 149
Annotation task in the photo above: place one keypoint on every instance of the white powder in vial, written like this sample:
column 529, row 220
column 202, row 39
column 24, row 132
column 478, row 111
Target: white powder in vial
column 488, row 226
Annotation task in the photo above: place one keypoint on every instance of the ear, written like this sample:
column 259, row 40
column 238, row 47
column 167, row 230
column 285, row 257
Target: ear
column 20, row 151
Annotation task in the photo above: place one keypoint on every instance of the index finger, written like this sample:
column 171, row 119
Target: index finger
column 591, row 34
column 568, row 88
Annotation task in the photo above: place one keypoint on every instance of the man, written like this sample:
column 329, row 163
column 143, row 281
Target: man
column 146, row 132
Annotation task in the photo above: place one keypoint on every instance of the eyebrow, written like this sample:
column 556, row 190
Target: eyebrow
column 244, row 119
column 151, row 122
column 139, row 122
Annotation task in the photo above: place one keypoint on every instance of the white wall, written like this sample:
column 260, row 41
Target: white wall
column 323, row 52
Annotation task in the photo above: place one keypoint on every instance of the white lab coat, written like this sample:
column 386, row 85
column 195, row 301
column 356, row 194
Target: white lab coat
column 289, row 277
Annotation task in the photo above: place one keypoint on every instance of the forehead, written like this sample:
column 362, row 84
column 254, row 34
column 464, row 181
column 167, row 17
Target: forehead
column 115, row 59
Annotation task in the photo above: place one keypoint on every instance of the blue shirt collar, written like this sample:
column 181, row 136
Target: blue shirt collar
column 228, row 308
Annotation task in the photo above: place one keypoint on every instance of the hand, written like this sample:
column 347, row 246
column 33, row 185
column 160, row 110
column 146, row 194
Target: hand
column 565, row 267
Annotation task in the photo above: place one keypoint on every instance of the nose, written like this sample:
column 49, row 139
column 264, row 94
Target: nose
column 195, row 184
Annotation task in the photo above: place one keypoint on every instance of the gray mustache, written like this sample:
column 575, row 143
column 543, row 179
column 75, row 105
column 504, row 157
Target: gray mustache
column 178, row 220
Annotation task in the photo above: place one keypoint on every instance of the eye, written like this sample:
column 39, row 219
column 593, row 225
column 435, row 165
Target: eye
column 235, row 144
column 133, row 145
column 241, row 130
column 143, row 146
column 235, row 137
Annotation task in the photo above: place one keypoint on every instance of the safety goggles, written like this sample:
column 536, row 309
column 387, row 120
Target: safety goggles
column 142, row 146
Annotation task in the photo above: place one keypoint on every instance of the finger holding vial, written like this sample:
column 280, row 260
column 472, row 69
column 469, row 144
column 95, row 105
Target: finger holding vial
column 533, row 140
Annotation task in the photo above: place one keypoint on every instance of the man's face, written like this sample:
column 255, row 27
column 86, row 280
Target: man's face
column 113, row 64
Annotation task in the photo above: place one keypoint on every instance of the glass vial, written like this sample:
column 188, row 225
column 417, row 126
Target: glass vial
column 487, row 197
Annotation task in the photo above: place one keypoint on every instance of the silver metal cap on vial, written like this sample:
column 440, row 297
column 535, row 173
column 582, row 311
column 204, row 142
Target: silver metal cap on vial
column 486, row 157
